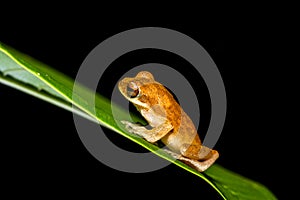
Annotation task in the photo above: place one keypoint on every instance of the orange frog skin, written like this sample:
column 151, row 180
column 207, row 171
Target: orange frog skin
column 169, row 122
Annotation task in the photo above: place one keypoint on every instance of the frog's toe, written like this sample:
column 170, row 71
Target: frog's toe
column 128, row 125
column 124, row 122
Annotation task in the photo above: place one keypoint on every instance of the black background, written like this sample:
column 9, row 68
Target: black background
column 41, row 148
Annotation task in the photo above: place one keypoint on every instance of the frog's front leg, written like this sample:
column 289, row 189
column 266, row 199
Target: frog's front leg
column 151, row 135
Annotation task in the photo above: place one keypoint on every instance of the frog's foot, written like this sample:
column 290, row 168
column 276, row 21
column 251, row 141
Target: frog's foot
column 139, row 130
column 198, row 165
column 134, row 128
column 151, row 135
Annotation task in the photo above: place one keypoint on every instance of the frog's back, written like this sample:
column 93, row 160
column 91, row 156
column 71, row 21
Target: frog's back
column 184, row 131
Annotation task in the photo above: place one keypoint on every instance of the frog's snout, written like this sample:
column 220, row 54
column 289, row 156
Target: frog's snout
column 122, row 85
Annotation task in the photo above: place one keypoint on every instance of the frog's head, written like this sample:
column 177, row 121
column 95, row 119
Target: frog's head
column 133, row 88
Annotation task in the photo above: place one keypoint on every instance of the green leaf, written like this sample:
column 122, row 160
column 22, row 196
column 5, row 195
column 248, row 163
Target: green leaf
column 35, row 78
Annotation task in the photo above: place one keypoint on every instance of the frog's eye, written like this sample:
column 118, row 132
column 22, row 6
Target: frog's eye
column 132, row 93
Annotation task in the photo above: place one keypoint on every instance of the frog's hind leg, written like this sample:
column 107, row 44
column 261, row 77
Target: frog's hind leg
column 203, row 155
column 195, row 162
column 197, row 152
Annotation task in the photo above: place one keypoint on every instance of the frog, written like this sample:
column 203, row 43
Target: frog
column 167, row 120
